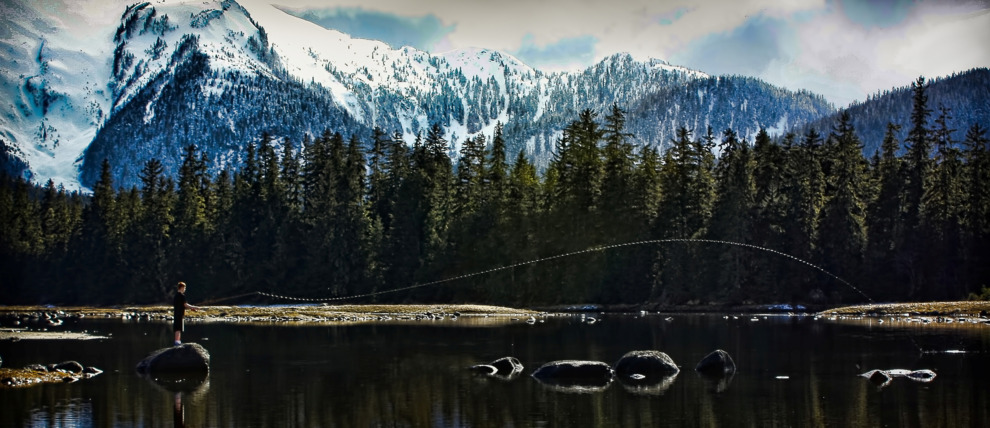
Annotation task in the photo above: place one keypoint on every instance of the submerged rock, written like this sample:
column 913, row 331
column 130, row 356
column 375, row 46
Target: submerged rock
column 717, row 363
column 68, row 366
column 188, row 357
column 485, row 369
column 91, row 371
column 645, row 366
column 575, row 373
column 878, row 377
column 507, row 366
column 884, row 377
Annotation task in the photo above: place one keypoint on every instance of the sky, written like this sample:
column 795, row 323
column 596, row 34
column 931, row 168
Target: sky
column 842, row 49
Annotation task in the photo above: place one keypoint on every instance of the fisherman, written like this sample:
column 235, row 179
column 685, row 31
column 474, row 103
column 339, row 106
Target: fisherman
column 179, row 306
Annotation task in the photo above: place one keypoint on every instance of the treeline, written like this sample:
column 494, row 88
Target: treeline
column 342, row 217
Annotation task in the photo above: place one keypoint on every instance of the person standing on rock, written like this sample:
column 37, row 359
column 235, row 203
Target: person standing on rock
column 179, row 306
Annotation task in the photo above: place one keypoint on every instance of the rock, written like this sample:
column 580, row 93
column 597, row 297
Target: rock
column 91, row 371
column 884, row 377
column 37, row 367
column 717, row 363
column 921, row 375
column 188, row 357
column 68, row 366
column 507, row 366
column 575, row 373
column 651, row 365
column 485, row 369
column 878, row 377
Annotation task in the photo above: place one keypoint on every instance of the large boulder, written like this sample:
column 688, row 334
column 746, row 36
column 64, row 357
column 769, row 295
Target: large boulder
column 717, row 363
column 185, row 358
column 645, row 366
column 574, row 373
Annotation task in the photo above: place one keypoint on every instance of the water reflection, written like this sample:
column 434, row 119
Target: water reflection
column 415, row 374
column 717, row 383
column 194, row 386
column 178, row 412
column 648, row 386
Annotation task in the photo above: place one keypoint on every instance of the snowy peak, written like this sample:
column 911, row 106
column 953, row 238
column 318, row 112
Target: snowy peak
column 153, row 77
column 626, row 60
column 152, row 40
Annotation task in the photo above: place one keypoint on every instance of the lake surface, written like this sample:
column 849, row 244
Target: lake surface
column 792, row 371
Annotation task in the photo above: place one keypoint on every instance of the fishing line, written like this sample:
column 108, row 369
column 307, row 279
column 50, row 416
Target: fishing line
column 561, row 256
column 554, row 257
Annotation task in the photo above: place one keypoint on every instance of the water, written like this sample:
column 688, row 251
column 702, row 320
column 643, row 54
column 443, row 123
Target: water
column 793, row 371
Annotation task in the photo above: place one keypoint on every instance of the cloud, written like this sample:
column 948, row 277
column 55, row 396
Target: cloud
column 560, row 55
column 855, row 50
column 748, row 49
column 426, row 32
column 877, row 13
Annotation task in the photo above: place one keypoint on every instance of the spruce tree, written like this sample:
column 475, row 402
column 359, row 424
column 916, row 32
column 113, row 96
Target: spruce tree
column 731, row 217
column 842, row 229
column 918, row 167
column 884, row 220
column 943, row 203
column 976, row 215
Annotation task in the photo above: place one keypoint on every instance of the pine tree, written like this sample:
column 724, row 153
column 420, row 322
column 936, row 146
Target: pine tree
column 524, row 209
column 884, row 216
column 100, row 244
column 943, row 211
column 154, row 232
column 685, row 210
column 731, row 215
column 618, row 216
column 976, row 215
column 576, row 190
column 803, row 188
column 918, row 167
column 769, row 217
column 842, row 230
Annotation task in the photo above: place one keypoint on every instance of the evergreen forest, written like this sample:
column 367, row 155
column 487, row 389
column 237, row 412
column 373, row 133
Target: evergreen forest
column 337, row 217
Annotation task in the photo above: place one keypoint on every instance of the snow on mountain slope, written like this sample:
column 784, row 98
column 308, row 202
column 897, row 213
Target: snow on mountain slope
column 53, row 82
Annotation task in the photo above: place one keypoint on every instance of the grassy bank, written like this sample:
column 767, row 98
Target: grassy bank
column 961, row 308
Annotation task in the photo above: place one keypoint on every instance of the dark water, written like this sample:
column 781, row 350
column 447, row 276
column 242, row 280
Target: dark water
column 793, row 371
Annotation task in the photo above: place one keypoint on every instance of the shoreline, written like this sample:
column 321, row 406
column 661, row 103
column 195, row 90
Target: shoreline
column 15, row 316
column 971, row 308
column 371, row 312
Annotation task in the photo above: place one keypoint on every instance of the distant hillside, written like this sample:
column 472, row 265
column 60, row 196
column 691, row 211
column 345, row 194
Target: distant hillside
column 966, row 95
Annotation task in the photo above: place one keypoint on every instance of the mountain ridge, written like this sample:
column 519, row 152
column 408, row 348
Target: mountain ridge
column 218, row 75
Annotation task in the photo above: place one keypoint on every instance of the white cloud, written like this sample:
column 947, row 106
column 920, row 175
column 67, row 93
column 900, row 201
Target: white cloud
column 856, row 60
column 621, row 26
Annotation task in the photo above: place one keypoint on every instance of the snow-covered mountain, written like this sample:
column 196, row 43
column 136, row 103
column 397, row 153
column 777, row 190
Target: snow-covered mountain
column 89, row 83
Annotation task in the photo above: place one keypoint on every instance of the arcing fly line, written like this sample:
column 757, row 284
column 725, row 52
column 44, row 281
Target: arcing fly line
column 554, row 257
